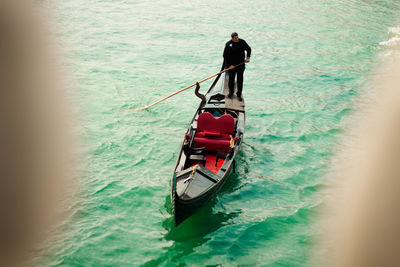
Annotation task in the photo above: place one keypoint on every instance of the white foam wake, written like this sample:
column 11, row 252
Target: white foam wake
column 393, row 37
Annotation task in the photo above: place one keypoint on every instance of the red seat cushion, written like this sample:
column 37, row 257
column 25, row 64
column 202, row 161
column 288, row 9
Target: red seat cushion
column 212, row 144
column 214, row 133
column 211, row 134
column 224, row 124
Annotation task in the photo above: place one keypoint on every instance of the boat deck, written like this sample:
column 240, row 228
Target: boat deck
column 221, row 88
column 233, row 103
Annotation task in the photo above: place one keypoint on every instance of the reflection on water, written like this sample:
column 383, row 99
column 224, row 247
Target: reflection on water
column 193, row 232
column 196, row 230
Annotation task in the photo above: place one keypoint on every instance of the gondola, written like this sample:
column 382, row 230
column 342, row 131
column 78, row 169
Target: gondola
column 208, row 152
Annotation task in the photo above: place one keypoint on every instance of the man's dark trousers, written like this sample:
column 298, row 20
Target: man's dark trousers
column 232, row 73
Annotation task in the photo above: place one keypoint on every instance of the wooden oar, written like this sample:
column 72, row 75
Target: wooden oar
column 187, row 87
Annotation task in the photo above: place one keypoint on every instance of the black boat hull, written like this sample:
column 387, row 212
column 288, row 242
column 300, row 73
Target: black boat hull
column 198, row 176
column 183, row 209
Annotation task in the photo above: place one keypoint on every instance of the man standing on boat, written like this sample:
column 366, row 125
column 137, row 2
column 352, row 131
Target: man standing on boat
column 234, row 55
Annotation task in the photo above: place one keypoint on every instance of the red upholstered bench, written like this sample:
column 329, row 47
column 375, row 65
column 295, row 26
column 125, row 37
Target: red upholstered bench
column 214, row 133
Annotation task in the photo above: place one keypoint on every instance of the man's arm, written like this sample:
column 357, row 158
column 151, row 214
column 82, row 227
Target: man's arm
column 226, row 56
column 248, row 50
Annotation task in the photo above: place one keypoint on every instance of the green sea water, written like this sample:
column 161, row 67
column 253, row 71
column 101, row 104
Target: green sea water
column 311, row 62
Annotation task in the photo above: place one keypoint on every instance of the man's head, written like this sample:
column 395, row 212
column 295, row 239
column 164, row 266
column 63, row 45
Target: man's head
column 235, row 37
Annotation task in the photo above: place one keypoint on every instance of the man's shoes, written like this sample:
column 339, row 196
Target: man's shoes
column 230, row 96
column 240, row 97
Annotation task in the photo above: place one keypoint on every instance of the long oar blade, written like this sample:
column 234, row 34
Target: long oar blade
column 187, row 87
column 177, row 92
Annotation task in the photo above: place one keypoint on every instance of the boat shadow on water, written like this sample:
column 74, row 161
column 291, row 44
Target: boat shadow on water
column 193, row 232
column 196, row 230
column 198, row 226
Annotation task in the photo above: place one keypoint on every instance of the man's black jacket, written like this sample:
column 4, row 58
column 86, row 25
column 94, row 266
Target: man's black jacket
column 234, row 52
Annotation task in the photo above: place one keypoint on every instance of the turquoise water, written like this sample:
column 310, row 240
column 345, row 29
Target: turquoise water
column 311, row 61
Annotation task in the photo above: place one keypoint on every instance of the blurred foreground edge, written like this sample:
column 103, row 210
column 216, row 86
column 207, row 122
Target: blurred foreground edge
column 361, row 219
column 35, row 154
